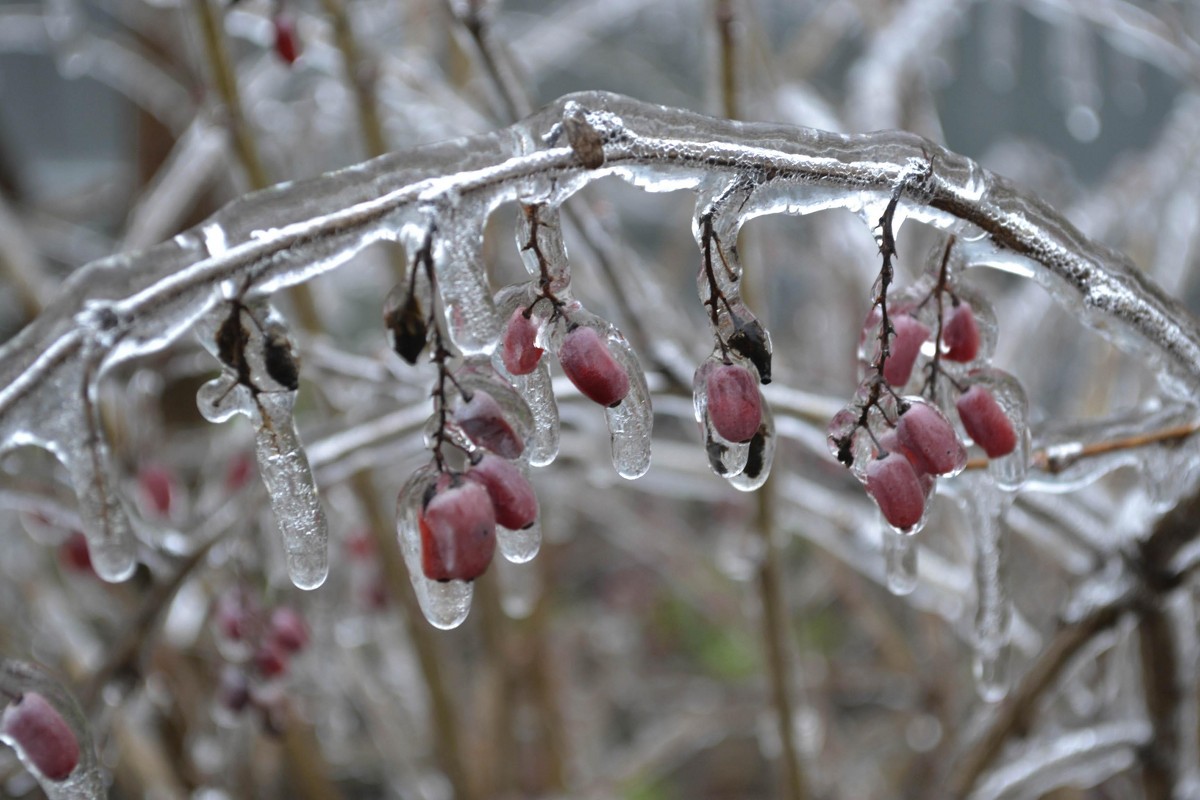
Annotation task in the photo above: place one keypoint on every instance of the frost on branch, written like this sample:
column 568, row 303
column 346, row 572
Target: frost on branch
column 437, row 199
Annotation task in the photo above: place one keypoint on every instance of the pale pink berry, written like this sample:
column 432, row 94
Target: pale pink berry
column 985, row 422
column 458, row 533
column 961, row 334
column 734, row 402
column 511, row 493
column 904, row 348
column 483, row 421
column 929, row 440
column 895, row 486
column 519, row 350
column 40, row 731
column 589, row 365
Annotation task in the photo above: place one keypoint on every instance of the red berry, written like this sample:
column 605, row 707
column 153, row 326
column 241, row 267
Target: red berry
column 286, row 45
column 482, row 420
column 985, row 422
column 929, row 440
column 518, row 351
column 734, row 402
column 961, row 334
column 233, row 689
column 458, row 533
column 270, row 661
column 288, row 630
column 157, row 488
column 589, row 365
column 510, row 491
column 895, row 486
column 236, row 615
column 41, row 733
column 74, row 555
column 904, row 349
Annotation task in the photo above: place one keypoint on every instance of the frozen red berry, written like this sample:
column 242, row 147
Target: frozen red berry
column 734, row 402
column 961, row 334
column 985, row 422
column 73, row 553
column 512, row 495
column 896, row 488
column 458, row 533
column 904, row 348
column 42, row 735
column 519, row 350
column 483, row 421
column 287, row 46
column 929, row 440
column 589, row 365
column 156, row 489
column 270, row 660
column 287, row 629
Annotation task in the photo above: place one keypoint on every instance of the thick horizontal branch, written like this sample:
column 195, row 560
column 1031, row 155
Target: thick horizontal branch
column 129, row 305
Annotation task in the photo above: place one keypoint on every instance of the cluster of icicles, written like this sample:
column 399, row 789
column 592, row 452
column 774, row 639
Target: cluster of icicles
column 897, row 437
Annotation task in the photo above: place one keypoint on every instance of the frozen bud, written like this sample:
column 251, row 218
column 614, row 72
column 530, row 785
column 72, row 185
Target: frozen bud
column 482, row 420
column 288, row 630
column 518, row 350
column 961, row 334
column 512, row 495
column 896, row 488
column 734, row 402
column 42, row 735
column 591, row 367
column 750, row 340
column 985, row 422
column 406, row 322
column 458, row 533
column 905, row 347
column 929, row 440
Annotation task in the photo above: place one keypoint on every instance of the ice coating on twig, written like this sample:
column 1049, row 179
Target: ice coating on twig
column 291, row 233
column 259, row 381
column 85, row 782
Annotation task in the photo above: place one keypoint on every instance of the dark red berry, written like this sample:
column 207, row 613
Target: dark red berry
column 904, row 349
column 270, row 660
column 961, row 334
column 985, row 422
column 483, row 421
column 458, row 533
column 895, row 486
column 286, row 44
column 734, row 402
column 511, row 493
column 73, row 553
column 519, row 350
column 287, row 629
column 42, row 734
column 589, row 365
column 929, row 440
column 233, row 689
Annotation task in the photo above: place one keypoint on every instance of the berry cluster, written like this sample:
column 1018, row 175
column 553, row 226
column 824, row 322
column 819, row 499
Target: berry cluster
column 897, row 444
column 41, row 734
column 259, row 643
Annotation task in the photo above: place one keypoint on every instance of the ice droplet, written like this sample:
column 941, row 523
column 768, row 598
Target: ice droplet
column 992, row 674
column 900, row 560
column 631, row 421
column 445, row 604
column 519, row 546
column 760, row 453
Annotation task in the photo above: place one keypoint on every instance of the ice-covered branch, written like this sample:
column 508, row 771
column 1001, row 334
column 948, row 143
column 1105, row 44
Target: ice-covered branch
column 128, row 305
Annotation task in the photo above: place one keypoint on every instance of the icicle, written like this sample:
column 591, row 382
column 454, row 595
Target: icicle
column 462, row 280
column 444, row 604
column 260, row 382
column 519, row 546
column 984, row 505
column 631, row 421
column 43, row 726
column 899, row 560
